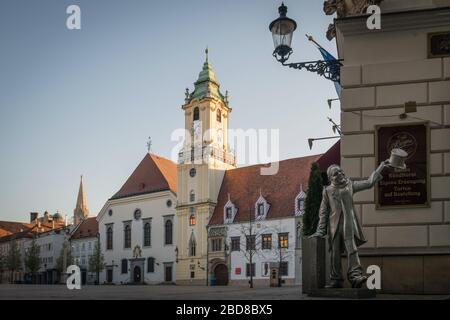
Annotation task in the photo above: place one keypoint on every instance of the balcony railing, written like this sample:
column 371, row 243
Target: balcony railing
column 199, row 155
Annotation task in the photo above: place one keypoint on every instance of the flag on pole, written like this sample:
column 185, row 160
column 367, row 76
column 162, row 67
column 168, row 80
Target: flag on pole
column 328, row 57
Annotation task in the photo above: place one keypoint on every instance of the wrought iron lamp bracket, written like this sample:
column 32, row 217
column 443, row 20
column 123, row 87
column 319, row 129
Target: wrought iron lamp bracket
column 328, row 69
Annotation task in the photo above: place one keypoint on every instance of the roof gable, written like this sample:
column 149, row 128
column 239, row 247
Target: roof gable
column 153, row 174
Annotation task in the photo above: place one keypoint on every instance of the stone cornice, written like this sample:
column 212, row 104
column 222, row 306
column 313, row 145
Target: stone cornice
column 396, row 21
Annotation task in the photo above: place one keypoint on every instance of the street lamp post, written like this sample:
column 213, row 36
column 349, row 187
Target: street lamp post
column 282, row 30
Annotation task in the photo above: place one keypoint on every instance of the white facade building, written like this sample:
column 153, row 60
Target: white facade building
column 82, row 245
column 274, row 245
column 50, row 245
column 261, row 216
column 137, row 226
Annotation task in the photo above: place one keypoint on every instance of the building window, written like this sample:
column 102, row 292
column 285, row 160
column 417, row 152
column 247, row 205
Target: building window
column 250, row 268
column 261, row 209
column 283, row 240
column 219, row 116
column 300, row 204
column 150, row 264
column 284, row 268
column 196, row 114
column 124, row 266
column 83, row 247
column 192, row 196
column 168, row 234
column 147, row 235
column 192, row 220
column 109, row 239
column 235, row 244
column 216, row 245
column 229, row 213
column 192, row 246
column 266, row 241
column 90, row 246
column 250, row 244
column 127, row 237
column 192, row 274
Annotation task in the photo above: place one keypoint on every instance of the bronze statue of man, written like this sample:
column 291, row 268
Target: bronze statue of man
column 338, row 220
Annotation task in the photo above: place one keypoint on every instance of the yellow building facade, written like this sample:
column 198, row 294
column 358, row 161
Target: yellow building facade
column 201, row 166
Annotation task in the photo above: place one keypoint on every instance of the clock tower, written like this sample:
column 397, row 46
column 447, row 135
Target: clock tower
column 201, row 166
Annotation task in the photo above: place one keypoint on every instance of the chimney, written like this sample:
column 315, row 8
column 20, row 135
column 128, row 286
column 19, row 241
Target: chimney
column 33, row 216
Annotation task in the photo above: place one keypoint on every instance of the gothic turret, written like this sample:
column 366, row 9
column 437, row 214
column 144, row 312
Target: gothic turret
column 81, row 211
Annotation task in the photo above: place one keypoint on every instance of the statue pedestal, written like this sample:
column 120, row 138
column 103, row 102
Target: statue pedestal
column 343, row 293
column 313, row 264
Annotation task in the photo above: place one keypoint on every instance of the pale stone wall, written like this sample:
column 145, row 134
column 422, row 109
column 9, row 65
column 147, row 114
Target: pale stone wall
column 197, row 263
column 383, row 70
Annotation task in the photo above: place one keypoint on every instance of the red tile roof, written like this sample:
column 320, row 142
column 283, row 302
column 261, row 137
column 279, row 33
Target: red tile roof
column 332, row 156
column 10, row 227
column 153, row 174
column 87, row 229
column 279, row 190
column 32, row 230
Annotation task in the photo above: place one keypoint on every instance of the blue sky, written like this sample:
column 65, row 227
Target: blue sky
column 85, row 101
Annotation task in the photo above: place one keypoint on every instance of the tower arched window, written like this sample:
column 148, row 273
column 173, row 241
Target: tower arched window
column 127, row 236
column 109, row 238
column 192, row 246
column 192, row 196
column 168, row 232
column 196, row 113
column 192, row 220
column 219, row 116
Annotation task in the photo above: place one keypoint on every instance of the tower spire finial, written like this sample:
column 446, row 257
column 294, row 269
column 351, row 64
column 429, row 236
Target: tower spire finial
column 206, row 53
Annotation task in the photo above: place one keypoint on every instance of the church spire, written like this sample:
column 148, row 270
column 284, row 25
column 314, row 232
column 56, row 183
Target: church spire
column 81, row 211
column 206, row 85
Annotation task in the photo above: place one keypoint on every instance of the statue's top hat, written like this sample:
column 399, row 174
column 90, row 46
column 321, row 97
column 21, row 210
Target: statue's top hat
column 397, row 159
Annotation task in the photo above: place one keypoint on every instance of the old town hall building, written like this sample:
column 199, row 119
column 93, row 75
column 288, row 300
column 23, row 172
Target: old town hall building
column 216, row 201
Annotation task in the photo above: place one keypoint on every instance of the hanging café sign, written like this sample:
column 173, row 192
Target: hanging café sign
column 407, row 186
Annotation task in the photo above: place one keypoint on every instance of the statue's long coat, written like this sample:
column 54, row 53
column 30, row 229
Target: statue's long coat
column 335, row 205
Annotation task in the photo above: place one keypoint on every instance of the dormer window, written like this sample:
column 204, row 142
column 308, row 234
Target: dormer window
column 261, row 208
column 300, row 202
column 229, row 211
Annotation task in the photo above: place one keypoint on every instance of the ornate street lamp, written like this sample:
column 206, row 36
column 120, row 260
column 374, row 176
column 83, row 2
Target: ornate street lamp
column 282, row 30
